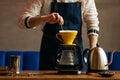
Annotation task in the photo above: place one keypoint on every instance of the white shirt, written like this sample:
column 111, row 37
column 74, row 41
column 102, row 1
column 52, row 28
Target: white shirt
column 42, row 7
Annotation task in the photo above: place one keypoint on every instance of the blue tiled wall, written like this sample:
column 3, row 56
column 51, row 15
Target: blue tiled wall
column 29, row 59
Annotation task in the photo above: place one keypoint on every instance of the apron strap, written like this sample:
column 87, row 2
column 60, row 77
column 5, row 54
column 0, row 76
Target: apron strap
column 55, row 0
column 55, row 5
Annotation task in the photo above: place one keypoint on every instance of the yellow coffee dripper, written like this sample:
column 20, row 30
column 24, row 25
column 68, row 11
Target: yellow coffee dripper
column 67, row 36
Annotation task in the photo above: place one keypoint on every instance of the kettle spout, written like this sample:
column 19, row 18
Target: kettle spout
column 111, row 58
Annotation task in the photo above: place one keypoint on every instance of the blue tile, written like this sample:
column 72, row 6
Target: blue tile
column 2, row 58
column 31, row 60
column 116, row 61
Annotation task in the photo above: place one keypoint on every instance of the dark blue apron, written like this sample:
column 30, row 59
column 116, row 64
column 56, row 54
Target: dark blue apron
column 71, row 13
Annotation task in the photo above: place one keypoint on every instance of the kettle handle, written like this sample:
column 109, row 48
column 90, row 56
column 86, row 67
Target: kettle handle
column 85, row 56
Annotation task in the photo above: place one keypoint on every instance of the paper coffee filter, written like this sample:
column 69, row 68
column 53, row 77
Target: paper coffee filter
column 67, row 31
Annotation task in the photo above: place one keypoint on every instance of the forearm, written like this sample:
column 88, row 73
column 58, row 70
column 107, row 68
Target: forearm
column 93, row 40
column 50, row 18
column 35, row 21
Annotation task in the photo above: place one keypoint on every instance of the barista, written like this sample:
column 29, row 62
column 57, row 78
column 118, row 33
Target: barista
column 50, row 14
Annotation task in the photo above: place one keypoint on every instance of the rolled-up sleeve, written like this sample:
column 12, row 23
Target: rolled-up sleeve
column 31, row 9
column 90, row 16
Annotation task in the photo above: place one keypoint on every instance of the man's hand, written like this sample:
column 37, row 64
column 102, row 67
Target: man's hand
column 55, row 18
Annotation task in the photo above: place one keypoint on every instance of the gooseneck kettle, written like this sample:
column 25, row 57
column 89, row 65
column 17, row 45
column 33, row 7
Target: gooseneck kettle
column 96, row 59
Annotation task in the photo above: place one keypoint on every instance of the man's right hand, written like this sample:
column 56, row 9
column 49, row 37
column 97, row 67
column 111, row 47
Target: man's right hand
column 55, row 18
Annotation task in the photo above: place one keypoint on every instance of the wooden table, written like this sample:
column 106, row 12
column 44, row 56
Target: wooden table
column 53, row 75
